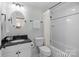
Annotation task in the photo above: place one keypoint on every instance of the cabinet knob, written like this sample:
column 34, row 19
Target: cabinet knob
column 18, row 52
column 31, row 44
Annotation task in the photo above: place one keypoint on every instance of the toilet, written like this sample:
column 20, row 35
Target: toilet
column 44, row 51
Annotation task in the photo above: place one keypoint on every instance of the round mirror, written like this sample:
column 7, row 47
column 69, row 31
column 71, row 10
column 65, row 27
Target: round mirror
column 17, row 19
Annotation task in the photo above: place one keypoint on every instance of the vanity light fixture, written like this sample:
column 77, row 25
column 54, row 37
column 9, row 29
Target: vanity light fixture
column 17, row 4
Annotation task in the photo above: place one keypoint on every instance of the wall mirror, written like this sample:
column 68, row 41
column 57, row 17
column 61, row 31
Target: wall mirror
column 17, row 19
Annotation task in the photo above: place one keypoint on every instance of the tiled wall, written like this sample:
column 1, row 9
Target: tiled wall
column 65, row 29
column 58, row 53
column 60, row 50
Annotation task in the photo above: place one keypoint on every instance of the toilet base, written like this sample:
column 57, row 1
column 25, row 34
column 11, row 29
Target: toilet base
column 42, row 55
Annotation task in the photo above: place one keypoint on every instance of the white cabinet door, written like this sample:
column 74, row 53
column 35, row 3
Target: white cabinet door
column 10, row 51
column 0, row 37
column 21, row 50
column 25, row 50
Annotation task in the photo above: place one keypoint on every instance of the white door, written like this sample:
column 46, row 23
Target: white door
column 0, row 32
column 0, row 37
column 46, row 21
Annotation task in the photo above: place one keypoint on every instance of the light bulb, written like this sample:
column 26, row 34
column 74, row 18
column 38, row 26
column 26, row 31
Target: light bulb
column 68, row 20
column 73, row 9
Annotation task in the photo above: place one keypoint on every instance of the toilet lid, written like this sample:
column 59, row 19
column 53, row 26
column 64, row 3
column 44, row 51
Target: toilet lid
column 44, row 48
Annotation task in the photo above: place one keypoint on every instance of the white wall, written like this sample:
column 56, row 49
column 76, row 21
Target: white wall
column 30, row 13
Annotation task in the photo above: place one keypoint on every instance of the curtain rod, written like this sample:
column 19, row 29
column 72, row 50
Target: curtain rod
column 55, row 5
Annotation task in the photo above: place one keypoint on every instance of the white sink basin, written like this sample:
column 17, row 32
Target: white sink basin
column 17, row 41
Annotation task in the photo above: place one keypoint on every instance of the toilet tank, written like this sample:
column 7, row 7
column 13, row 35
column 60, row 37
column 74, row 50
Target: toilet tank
column 39, row 41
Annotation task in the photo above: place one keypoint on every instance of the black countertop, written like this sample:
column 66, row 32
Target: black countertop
column 6, row 43
column 11, row 44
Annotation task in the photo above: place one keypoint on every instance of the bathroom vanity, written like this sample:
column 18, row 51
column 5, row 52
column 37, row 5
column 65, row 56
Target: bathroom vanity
column 18, row 46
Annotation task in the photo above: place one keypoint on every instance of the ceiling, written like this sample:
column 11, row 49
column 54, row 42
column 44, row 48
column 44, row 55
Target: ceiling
column 40, row 5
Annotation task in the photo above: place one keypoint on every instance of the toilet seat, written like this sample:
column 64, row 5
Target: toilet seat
column 45, row 50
